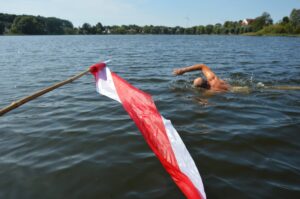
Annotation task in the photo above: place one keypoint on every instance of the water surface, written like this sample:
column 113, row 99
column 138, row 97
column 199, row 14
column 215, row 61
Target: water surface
column 73, row 143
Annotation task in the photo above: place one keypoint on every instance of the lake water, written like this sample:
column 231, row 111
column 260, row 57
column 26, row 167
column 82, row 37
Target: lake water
column 74, row 143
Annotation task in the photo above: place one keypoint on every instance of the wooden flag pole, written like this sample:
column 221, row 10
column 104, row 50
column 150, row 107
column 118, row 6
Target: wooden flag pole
column 24, row 100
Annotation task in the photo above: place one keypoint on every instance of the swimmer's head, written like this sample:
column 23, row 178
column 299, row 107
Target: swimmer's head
column 199, row 82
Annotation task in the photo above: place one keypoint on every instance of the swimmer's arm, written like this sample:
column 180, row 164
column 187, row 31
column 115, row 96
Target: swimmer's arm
column 205, row 70
column 181, row 71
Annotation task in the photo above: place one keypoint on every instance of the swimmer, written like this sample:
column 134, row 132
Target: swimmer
column 212, row 82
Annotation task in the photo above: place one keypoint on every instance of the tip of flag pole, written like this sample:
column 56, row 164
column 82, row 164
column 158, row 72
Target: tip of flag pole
column 107, row 61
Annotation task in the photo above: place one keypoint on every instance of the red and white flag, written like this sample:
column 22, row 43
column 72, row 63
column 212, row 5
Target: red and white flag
column 158, row 132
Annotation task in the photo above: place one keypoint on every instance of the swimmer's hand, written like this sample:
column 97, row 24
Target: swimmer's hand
column 178, row 71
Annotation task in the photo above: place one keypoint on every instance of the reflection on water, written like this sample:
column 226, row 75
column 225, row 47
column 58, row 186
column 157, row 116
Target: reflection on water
column 73, row 143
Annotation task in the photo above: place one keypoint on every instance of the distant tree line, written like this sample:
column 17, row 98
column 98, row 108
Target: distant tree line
column 34, row 25
column 37, row 25
column 288, row 25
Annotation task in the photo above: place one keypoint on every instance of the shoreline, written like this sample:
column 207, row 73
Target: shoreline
column 271, row 35
column 245, row 34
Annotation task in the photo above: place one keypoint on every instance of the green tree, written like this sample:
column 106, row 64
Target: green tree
column 295, row 17
column 189, row 31
column 262, row 21
column 134, row 29
column 229, row 27
column 54, row 26
column 237, row 30
column 274, row 29
column 285, row 20
column 28, row 25
column 86, row 29
column 7, row 18
column 155, row 29
column 106, row 29
column 69, row 31
column 164, row 30
column 146, row 30
column 217, row 28
column 2, row 28
column 209, row 29
column 228, row 24
column 200, row 30
column 178, row 30
column 118, row 30
column 242, row 30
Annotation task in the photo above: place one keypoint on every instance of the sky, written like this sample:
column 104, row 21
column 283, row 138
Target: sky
column 184, row 13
